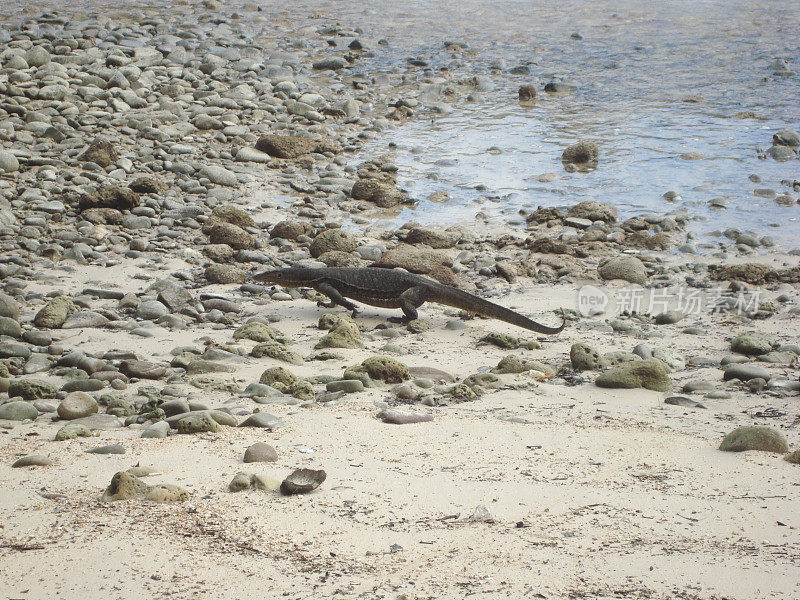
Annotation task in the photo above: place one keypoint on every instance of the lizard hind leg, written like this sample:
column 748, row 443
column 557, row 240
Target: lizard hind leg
column 410, row 301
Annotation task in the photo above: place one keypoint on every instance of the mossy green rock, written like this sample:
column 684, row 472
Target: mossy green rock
column 465, row 392
column 345, row 335
column 278, row 377
column 55, row 313
column 277, row 351
column 753, row 437
column 501, row 340
column 618, row 357
column 648, row 374
column 302, row 390
column 753, row 343
column 124, row 486
column 257, row 332
column 70, row 431
column 585, row 358
column 517, row 364
column 386, row 369
column 166, row 493
column 197, row 423
column 32, row 389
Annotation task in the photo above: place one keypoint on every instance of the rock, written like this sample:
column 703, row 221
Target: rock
column 124, row 486
column 302, row 390
column 683, row 401
column 173, row 295
column 151, row 310
column 291, row 230
column 225, row 274
column 581, row 153
column 148, row 185
column 37, row 57
column 158, row 430
column 278, row 351
column 77, row 405
column 649, row 374
column 55, row 313
column 18, row 410
column 100, row 152
column 257, row 332
column 280, row 376
column 32, row 460
column 197, row 423
column 107, row 449
column 527, row 93
column 594, row 211
column 240, row 482
column 396, row 417
column 332, row 240
column 668, row 318
column 433, row 238
column 31, row 389
column 263, row 420
column 345, row 335
column 302, row 481
column 753, row 437
column 745, row 372
column 332, row 63
column 516, row 364
column 73, row 430
column 174, row 407
column 142, row 369
column 8, row 162
column 501, row 340
column 84, row 319
column 286, row 146
column 346, row 386
column 232, row 235
column 380, row 194
column 233, row 215
column 166, row 493
column 753, row 343
column 627, row 268
column 585, row 358
column 260, row 452
column 386, row 369
column 786, row 137
column 416, row 260
column 219, row 175
column 9, row 307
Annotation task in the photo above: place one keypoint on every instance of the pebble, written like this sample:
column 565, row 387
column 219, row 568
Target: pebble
column 32, row 460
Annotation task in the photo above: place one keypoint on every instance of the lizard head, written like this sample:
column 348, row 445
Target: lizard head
column 269, row 277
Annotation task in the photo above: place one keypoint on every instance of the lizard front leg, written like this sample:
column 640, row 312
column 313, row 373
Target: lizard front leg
column 336, row 298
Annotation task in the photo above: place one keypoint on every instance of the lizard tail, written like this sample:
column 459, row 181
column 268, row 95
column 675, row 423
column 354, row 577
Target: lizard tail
column 456, row 298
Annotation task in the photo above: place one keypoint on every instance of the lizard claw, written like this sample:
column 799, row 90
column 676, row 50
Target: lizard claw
column 354, row 312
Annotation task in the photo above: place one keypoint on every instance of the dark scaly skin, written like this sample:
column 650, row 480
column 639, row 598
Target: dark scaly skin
column 394, row 288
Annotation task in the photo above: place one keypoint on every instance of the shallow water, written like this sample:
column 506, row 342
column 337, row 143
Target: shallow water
column 633, row 69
